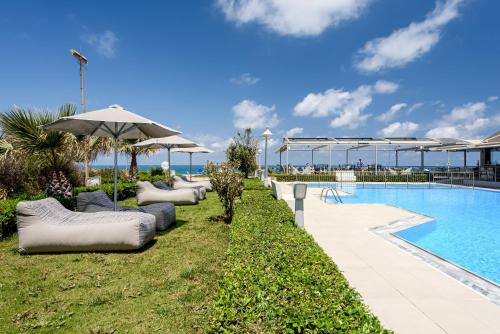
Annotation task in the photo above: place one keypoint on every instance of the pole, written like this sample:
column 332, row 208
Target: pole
column 169, row 165
column 330, row 158
column 287, row 163
column 376, row 159
column 190, row 166
column 82, row 91
column 397, row 158
column 312, row 158
column 346, row 157
column 115, row 190
column 465, row 159
column 422, row 160
column 265, row 163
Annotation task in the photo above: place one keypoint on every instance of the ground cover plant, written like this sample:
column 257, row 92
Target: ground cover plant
column 278, row 280
column 169, row 287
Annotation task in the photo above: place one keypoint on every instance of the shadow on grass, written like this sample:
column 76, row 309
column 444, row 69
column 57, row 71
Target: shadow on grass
column 178, row 223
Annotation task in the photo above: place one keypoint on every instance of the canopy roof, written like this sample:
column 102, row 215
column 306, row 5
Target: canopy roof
column 167, row 142
column 113, row 121
column 198, row 149
column 400, row 143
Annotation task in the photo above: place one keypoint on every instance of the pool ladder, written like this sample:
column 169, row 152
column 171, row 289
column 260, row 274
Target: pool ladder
column 335, row 194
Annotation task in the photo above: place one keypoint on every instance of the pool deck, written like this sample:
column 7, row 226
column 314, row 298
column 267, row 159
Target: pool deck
column 406, row 293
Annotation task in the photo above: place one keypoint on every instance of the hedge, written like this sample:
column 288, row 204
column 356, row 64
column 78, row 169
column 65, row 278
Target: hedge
column 360, row 177
column 305, row 177
column 8, row 207
column 278, row 280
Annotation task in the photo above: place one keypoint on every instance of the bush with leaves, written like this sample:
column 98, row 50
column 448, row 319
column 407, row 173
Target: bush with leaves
column 243, row 152
column 227, row 182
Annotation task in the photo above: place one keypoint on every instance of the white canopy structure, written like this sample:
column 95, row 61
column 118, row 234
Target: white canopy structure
column 191, row 150
column 169, row 143
column 112, row 122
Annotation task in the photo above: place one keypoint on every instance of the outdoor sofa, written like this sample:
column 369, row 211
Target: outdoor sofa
column 97, row 201
column 47, row 226
column 147, row 193
column 180, row 183
column 200, row 190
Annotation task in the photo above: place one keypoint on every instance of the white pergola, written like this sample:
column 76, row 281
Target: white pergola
column 347, row 144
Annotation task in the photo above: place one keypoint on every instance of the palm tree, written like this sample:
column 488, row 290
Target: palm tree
column 24, row 130
column 127, row 147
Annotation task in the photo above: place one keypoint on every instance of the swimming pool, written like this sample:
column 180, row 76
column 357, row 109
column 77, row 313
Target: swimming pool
column 466, row 229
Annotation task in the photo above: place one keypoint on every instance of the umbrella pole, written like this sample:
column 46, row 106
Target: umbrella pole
column 190, row 165
column 169, row 166
column 115, row 190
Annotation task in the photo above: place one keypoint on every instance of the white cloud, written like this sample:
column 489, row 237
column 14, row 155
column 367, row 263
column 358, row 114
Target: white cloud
column 465, row 121
column 249, row 114
column 292, row 17
column 407, row 44
column 415, row 107
column 391, row 114
column 346, row 106
column 385, row 87
column 492, row 98
column 293, row 132
column 105, row 43
column 399, row 129
column 215, row 143
column 246, row 79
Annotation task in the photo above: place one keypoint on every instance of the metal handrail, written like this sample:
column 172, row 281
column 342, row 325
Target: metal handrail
column 334, row 192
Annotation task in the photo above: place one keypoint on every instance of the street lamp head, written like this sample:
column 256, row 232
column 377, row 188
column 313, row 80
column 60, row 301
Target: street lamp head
column 79, row 56
column 267, row 133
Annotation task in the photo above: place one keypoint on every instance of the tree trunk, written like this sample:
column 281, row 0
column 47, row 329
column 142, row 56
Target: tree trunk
column 133, row 166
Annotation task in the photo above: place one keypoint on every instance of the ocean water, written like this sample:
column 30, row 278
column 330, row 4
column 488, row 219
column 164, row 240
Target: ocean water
column 179, row 169
column 466, row 229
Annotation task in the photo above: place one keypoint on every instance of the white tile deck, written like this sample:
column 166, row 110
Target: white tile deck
column 407, row 294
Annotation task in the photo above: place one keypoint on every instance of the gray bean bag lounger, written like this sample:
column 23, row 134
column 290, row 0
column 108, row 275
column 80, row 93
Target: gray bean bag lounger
column 201, row 191
column 147, row 193
column 180, row 183
column 47, row 226
column 97, row 201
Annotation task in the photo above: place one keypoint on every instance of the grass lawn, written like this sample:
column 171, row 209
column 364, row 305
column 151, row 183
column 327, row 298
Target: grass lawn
column 169, row 287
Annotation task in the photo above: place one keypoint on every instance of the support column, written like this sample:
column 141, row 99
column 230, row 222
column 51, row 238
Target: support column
column 422, row 160
column 330, row 158
column 347, row 157
column 312, row 158
column 397, row 158
column 376, row 159
column 465, row 159
column 287, row 163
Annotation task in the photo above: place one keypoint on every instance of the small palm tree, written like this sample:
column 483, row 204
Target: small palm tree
column 127, row 147
column 25, row 132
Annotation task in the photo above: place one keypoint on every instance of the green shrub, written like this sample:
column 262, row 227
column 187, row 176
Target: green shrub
column 8, row 220
column 361, row 177
column 305, row 177
column 278, row 280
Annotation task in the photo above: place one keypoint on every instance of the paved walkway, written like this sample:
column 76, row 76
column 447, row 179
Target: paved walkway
column 407, row 294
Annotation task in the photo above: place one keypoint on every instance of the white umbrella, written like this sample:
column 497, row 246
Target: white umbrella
column 112, row 122
column 191, row 150
column 172, row 142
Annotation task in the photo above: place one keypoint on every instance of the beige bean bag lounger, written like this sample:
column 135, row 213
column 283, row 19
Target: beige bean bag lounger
column 147, row 193
column 180, row 183
column 47, row 226
column 201, row 191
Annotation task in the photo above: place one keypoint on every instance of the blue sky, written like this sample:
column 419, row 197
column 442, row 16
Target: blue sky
column 314, row 68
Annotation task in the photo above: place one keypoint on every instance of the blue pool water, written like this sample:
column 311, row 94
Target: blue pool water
column 466, row 229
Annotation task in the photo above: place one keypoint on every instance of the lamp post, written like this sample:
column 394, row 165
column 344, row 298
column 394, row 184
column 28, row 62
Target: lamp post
column 82, row 60
column 266, row 136
column 259, row 153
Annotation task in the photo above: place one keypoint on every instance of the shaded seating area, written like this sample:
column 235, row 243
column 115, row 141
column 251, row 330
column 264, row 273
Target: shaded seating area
column 147, row 193
column 98, row 201
column 47, row 226
column 181, row 183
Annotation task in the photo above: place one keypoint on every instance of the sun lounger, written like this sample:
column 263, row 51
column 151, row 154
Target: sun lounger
column 97, row 201
column 179, row 183
column 147, row 193
column 47, row 226
column 201, row 191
